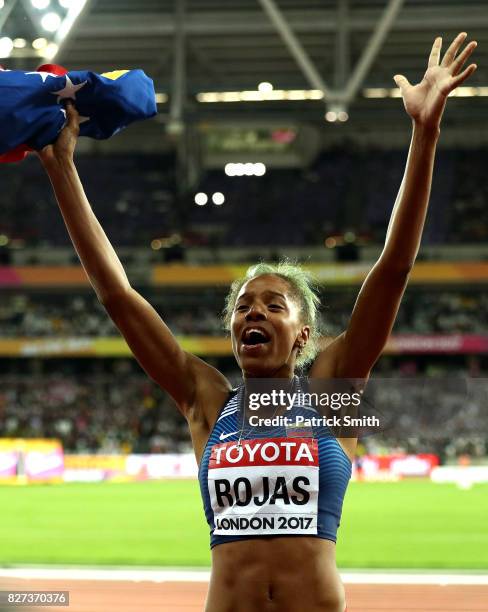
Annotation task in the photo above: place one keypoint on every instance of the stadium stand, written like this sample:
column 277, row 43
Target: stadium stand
column 110, row 406
column 423, row 311
column 137, row 203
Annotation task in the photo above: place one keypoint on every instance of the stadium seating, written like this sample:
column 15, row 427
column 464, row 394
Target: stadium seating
column 344, row 189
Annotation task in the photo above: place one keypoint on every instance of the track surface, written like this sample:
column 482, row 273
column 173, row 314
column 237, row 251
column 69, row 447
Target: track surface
column 134, row 595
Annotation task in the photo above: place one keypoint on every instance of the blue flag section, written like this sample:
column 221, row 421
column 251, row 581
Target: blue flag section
column 32, row 111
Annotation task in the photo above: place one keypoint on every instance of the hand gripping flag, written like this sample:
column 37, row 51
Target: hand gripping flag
column 32, row 112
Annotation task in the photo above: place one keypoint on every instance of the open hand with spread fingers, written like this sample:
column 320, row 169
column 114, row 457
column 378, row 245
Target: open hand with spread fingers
column 425, row 102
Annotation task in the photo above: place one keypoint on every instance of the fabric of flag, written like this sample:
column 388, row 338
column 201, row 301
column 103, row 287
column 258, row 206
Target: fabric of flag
column 32, row 112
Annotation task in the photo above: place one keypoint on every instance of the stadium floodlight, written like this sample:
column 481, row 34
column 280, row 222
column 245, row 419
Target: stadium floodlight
column 208, row 97
column 230, row 96
column 6, row 46
column 259, row 169
column 259, row 96
column 51, row 22
column 40, row 4
column 218, row 198
column 464, row 92
column 336, row 112
column 249, row 169
column 50, row 50
column 69, row 4
column 20, row 43
column 201, row 198
column 376, row 92
column 161, row 98
column 265, row 87
column 39, row 43
column 2, row 4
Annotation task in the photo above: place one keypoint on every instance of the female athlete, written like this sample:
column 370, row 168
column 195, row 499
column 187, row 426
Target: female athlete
column 271, row 318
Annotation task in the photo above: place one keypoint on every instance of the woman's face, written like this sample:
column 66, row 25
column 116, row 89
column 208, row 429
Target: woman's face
column 266, row 328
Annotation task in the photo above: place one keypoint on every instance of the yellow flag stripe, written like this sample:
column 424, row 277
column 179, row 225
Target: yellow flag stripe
column 114, row 75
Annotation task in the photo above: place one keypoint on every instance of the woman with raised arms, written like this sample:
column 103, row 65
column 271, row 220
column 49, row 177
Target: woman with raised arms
column 259, row 493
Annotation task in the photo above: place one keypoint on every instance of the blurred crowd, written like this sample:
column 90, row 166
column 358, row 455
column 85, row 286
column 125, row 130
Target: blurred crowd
column 113, row 407
column 124, row 412
column 57, row 315
column 132, row 196
column 136, row 200
column 469, row 212
column 443, row 413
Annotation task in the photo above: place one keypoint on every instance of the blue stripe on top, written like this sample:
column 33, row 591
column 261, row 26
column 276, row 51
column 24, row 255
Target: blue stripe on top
column 334, row 470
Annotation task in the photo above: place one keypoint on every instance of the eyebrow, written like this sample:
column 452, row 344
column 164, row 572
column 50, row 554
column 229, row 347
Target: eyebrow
column 267, row 292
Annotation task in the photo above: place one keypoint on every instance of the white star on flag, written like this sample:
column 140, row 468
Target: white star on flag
column 81, row 120
column 43, row 75
column 69, row 90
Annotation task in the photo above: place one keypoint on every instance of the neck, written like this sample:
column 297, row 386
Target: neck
column 284, row 371
column 268, row 397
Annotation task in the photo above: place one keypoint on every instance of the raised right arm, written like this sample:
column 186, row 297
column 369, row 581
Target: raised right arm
column 188, row 379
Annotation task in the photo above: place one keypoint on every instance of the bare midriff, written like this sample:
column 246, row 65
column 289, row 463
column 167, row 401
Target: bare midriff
column 282, row 574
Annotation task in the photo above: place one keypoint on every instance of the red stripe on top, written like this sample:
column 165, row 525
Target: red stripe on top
column 265, row 451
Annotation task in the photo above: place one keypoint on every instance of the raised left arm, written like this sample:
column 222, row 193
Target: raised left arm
column 354, row 352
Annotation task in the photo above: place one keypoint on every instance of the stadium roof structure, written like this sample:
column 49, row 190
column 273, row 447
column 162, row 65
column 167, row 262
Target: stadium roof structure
column 332, row 55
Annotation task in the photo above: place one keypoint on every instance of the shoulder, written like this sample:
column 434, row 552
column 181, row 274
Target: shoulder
column 335, row 360
column 212, row 390
column 327, row 361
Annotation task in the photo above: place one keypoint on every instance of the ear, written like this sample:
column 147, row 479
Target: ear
column 302, row 337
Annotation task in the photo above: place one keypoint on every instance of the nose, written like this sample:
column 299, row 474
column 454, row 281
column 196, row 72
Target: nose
column 255, row 313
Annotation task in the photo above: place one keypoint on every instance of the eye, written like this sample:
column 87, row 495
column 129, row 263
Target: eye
column 241, row 308
column 275, row 306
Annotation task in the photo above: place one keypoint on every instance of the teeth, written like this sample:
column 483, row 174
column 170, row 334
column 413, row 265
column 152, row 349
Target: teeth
column 259, row 336
column 256, row 331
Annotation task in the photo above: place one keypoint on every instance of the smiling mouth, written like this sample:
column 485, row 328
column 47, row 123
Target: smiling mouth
column 255, row 337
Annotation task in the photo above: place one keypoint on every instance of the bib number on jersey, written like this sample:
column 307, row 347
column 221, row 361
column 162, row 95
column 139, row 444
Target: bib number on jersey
column 265, row 486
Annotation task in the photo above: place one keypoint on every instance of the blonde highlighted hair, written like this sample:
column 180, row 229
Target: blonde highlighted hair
column 303, row 288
